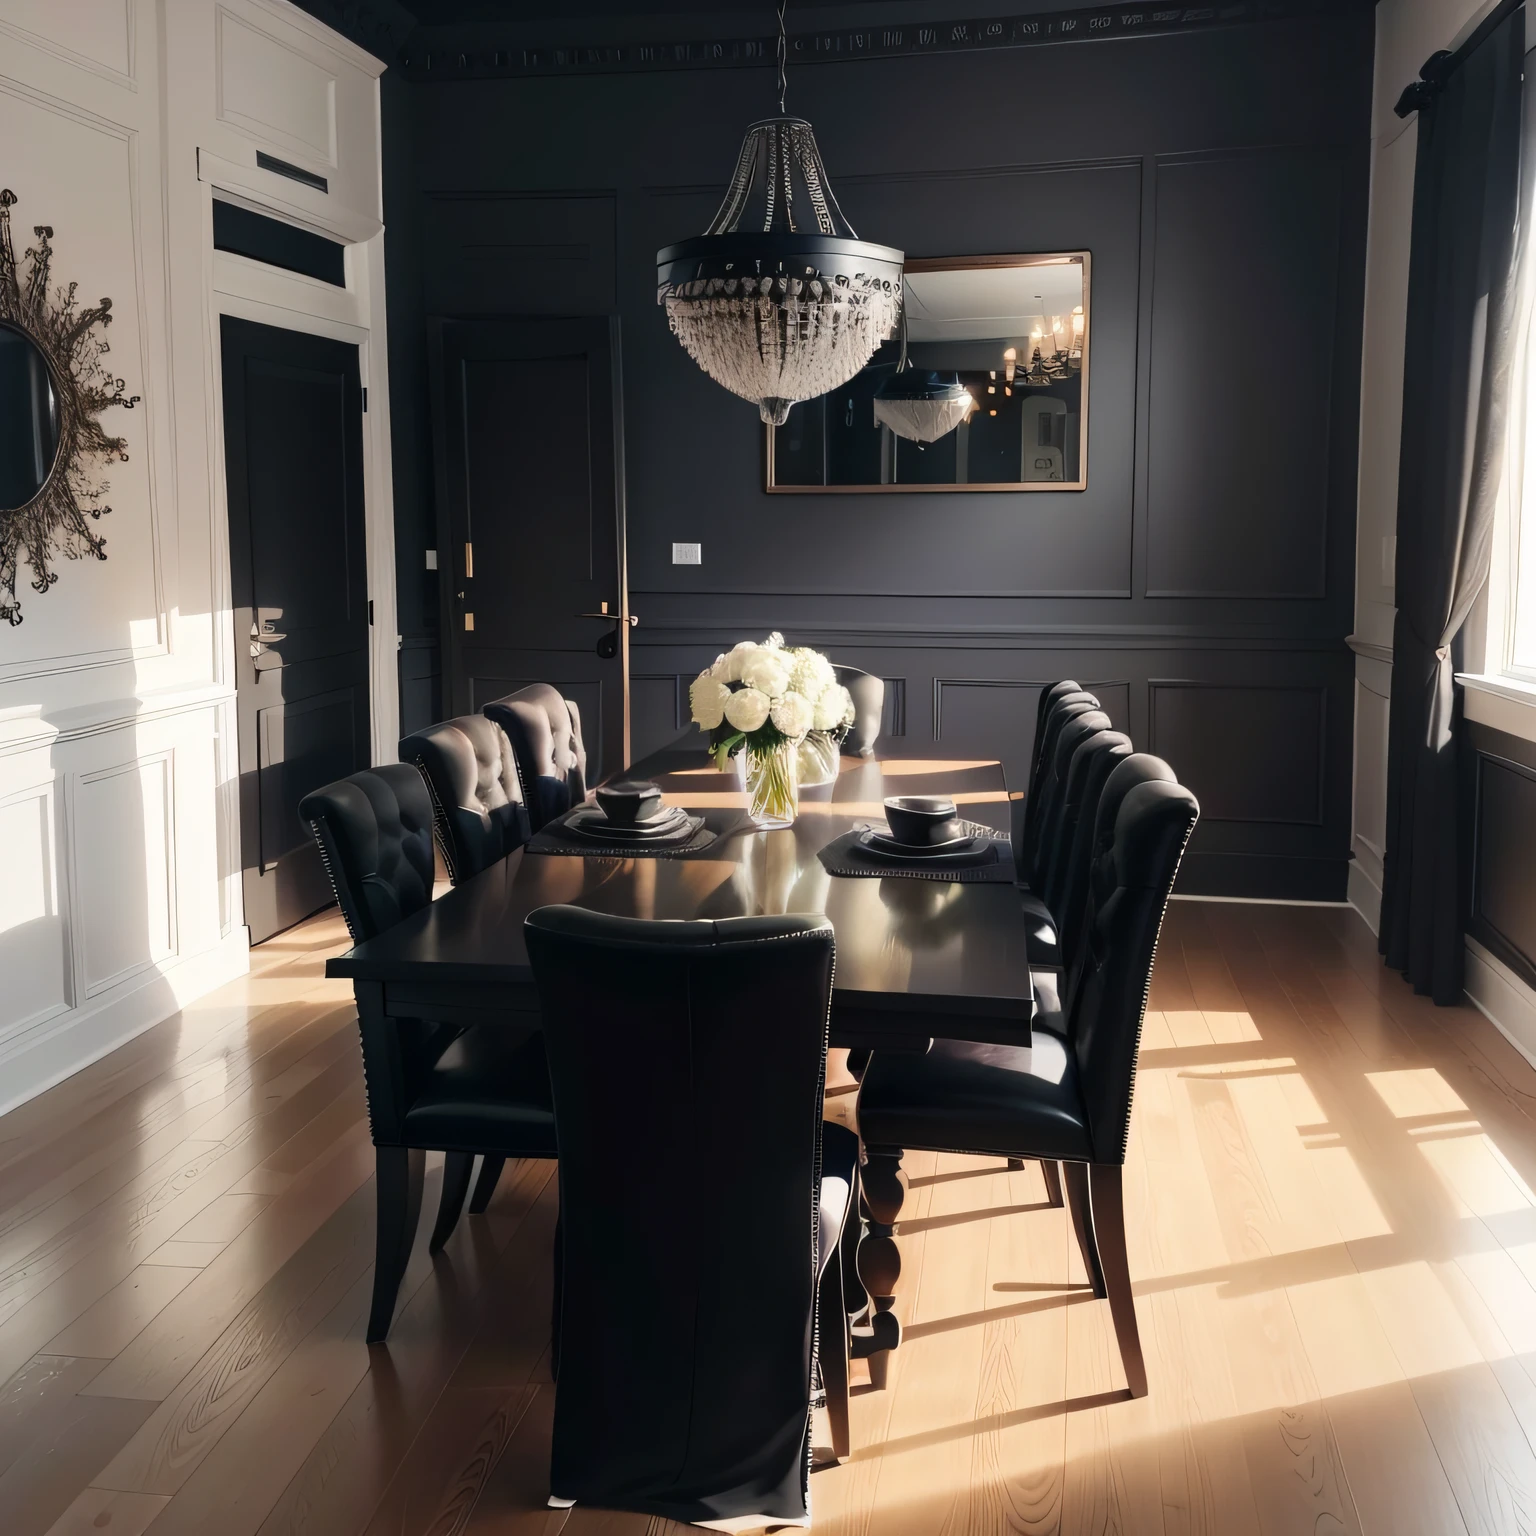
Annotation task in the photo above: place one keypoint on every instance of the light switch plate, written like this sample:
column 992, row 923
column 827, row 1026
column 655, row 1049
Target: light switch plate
column 431, row 559
column 687, row 554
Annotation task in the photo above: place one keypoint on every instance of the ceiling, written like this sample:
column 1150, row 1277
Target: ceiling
column 984, row 303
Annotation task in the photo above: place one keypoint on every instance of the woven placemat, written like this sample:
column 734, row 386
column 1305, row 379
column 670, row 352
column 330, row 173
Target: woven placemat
column 848, row 855
column 707, row 828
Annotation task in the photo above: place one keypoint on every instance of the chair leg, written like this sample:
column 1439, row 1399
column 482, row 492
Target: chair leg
column 1082, row 1223
column 457, row 1168
column 884, row 1187
column 832, row 1333
column 485, row 1185
column 1109, row 1206
column 398, row 1182
column 855, row 1297
column 1052, row 1172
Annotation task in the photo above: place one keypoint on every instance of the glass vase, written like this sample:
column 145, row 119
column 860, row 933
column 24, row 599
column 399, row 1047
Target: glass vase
column 820, row 759
column 772, row 782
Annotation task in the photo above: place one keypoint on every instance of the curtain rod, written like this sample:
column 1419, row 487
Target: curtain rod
column 1441, row 65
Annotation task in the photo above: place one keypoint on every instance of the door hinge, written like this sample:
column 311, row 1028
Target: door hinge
column 365, row 399
column 370, row 613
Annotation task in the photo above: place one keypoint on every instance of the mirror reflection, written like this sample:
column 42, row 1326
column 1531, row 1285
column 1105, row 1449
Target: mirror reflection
column 29, row 419
column 986, row 391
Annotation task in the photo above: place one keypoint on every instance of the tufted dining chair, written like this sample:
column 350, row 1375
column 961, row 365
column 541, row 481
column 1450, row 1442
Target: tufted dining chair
column 703, row 1209
column 477, row 802
column 479, row 816
column 1066, row 1096
column 431, row 1086
column 544, row 728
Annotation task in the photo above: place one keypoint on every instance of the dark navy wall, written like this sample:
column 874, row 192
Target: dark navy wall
column 1204, row 580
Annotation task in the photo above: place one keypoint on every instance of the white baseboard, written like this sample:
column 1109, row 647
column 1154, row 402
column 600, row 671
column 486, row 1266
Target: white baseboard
column 1364, row 896
column 92, row 1032
column 1507, row 1001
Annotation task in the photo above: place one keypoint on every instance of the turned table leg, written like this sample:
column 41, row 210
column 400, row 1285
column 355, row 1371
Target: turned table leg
column 884, row 1187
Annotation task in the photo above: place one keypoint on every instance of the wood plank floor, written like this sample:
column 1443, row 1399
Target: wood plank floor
column 1332, row 1233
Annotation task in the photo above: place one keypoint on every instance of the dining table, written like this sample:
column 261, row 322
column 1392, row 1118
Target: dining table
column 918, row 959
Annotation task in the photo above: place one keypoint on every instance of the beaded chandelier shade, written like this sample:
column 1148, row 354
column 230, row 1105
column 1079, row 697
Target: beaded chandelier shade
column 779, row 300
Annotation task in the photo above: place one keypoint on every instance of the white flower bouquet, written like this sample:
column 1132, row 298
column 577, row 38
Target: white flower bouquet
column 763, row 700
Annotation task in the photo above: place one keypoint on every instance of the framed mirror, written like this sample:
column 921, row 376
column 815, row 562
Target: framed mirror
column 29, row 419
column 986, row 391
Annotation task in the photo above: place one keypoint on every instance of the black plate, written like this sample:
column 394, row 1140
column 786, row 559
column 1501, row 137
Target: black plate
column 885, row 843
column 672, row 825
column 966, row 852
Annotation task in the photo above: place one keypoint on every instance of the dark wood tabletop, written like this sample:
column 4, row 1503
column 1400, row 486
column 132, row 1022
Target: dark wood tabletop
column 915, row 957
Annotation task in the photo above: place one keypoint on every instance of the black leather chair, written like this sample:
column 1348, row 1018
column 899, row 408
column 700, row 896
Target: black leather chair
column 544, row 728
column 1049, row 699
column 1065, row 710
column 868, row 694
column 703, row 1205
column 1067, row 1097
column 477, row 802
column 478, row 810
column 430, row 1086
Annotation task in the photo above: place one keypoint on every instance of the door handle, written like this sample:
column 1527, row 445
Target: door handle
column 608, row 646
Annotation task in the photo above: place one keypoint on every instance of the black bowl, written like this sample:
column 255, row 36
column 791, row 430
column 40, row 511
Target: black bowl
column 919, row 821
column 628, row 802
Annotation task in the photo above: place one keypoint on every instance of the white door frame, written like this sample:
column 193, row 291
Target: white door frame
column 251, row 290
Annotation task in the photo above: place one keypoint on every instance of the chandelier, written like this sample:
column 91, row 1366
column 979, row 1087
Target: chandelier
column 779, row 300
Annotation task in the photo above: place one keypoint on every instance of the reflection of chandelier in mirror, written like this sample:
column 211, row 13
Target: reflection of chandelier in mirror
column 784, row 302
column 919, row 404
column 1064, row 358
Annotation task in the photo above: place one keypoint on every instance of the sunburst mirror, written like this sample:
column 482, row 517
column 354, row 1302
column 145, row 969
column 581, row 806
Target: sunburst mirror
column 54, row 386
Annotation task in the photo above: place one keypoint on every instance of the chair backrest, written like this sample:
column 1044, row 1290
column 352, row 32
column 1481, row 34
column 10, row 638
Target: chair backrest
column 374, row 829
column 1152, row 823
column 1049, row 698
column 1092, row 766
column 1066, row 708
column 477, row 802
column 1073, row 780
column 687, row 1062
column 1076, row 726
column 545, row 731
column 868, row 693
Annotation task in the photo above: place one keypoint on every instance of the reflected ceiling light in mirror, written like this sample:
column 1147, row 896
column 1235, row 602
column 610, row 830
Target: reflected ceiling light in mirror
column 920, row 404
column 779, row 300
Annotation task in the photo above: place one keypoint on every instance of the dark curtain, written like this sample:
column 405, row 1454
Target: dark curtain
column 1462, row 324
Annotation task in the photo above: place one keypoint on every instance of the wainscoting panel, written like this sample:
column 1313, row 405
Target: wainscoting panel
column 1253, row 754
column 1500, row 771
column 98, row 34
column 1246, row 255
column 273, row 92
column 34, row 957
column 999, row 713
column 658, row 710
column 123, row 824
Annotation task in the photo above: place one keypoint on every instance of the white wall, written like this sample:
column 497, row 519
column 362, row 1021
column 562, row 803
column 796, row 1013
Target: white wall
column 119, row 877
column 1407, row 32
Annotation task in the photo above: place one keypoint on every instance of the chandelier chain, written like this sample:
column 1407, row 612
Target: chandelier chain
column 783, row 57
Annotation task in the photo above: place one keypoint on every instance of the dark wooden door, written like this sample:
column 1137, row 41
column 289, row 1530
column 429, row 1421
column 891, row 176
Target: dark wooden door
column 293, row 456
column 530, row 517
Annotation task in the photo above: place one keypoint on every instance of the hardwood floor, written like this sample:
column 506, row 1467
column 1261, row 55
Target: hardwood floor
column 1332, row 1234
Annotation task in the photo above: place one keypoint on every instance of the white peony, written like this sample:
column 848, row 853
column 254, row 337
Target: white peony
column 792, row 714
column 707, row 697
column 747, row 709
column 774, row 642
column 833, row 706
column 810, row 673
column 729, row 667
column 767, row 671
